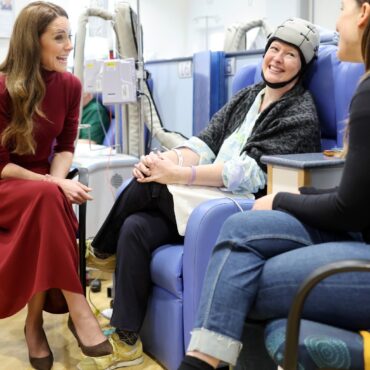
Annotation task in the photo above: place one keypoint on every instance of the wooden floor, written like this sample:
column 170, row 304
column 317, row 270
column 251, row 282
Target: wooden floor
column 13, row 349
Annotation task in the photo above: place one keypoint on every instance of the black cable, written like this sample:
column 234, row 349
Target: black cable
column 148, row 146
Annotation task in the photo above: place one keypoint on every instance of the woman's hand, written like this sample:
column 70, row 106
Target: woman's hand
column 158, row 168
column 142, row 169
column 264, row 203
column 75, row 191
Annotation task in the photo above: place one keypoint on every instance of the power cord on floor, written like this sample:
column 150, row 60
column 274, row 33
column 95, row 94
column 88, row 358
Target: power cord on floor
column 97, row 312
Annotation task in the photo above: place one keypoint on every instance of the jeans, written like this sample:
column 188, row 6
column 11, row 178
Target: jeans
column 259, row 261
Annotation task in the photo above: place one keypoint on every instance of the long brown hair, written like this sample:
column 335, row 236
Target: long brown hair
column 365, row 51
column 22, row 68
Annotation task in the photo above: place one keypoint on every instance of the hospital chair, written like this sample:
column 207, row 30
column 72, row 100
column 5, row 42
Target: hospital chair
column 177, row 271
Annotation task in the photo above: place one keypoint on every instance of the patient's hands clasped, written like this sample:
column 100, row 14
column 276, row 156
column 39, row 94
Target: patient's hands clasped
column 157, row 167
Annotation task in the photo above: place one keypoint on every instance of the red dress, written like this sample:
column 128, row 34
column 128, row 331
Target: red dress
column 38, row 250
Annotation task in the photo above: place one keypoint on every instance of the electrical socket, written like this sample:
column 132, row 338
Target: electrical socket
column 185, row 69
column 230, row 66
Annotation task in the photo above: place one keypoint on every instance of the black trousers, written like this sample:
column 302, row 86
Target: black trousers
column 141, row 220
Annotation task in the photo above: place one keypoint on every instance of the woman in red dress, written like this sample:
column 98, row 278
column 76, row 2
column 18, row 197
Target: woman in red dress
column 39, row 108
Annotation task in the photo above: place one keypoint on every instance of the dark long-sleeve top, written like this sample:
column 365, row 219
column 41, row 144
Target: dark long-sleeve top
column 347, row 208
column 56, row 132
column 289, row 125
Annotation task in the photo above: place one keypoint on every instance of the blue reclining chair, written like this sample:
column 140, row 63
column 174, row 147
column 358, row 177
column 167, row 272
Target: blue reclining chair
column 177, row 271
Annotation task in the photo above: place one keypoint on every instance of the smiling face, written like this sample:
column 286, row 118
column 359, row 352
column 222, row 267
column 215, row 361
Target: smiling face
column 281, row 62
column 56, row 45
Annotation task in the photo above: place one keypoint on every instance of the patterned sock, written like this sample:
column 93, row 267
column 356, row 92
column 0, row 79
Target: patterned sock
column 129, row 337
column 194, row 363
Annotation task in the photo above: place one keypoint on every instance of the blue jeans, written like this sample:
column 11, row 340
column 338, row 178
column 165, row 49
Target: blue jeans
column 259, row 261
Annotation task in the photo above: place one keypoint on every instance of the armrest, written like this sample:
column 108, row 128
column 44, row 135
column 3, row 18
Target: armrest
column 288, row 172
column 303, row 160
column 83, row 177
column 293, row 325
column 200, row 237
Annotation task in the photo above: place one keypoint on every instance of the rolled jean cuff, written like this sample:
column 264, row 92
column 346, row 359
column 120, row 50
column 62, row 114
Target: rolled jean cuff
column 216, row 345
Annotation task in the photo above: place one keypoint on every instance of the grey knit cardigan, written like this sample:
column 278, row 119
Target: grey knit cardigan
column 289, row 125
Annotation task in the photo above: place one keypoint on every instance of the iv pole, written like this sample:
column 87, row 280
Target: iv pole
column 140, row 74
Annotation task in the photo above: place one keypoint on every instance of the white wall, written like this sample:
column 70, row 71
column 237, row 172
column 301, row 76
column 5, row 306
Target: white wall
column 164, row 22
column 219, row 17
column 326, row 12
column 66, row 4
column 3, row 48
column 278, row 11
column 164, row 31
column 177, row 28
column 4, row 42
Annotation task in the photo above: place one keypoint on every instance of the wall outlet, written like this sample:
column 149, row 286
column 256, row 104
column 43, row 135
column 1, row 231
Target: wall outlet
column 185, row 69
column 230, row 66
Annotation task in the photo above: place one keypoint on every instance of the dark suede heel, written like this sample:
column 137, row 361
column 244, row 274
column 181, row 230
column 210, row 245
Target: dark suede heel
column 41, row 363
column 101, row 349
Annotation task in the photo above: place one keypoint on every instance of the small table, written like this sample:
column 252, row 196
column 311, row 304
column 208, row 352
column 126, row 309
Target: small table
column 291, row 171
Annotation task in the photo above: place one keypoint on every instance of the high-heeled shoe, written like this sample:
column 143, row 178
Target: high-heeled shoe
column 102, row 349
column 41, row 363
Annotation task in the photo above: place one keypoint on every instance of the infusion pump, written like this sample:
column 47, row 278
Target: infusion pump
column 116, row 79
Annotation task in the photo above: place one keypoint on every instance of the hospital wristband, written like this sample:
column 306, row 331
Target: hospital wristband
column 192, row 175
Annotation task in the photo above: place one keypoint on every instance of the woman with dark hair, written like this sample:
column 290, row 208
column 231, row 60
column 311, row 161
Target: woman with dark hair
column 262, row 257
column 39, row 108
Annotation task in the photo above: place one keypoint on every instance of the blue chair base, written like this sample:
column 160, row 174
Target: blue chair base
column 162, row 331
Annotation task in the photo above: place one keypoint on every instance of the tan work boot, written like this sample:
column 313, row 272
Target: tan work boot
column 123, row 355
column 103, row 264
